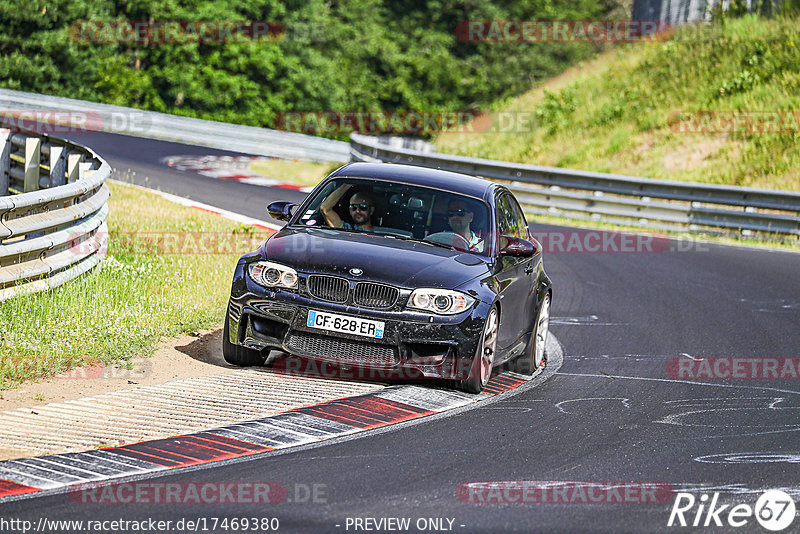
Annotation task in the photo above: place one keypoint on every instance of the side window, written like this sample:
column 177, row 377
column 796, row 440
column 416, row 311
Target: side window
column 522, row 224
column 506, row 218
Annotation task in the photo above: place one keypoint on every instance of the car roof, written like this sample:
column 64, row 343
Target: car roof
column 451, row 181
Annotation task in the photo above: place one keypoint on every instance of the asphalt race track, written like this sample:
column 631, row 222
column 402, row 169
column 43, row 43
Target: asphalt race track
column 614, row 412
column 129, row 155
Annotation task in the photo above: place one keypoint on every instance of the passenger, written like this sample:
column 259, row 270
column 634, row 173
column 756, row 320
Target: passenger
column 361, row 208
column 459, row 217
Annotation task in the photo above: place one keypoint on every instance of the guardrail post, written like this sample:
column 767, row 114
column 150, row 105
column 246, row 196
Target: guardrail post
column 73, row 167
column 5, row 160
column 84, row 166
column 58, row 165
column 33, row 157
column 49, row 220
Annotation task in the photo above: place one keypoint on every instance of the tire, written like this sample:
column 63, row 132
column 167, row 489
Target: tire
column 483, row 361
column 534, row 358
column 236, row 354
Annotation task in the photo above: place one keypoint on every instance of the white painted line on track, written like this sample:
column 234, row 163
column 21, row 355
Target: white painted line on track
column 244, row 219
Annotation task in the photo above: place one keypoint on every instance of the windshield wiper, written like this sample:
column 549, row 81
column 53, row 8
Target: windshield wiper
column 407, row 238
column 396, row 236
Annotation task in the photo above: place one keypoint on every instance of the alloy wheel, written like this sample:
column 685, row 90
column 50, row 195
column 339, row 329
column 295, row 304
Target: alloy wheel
column 542, row 326
column 489, row 346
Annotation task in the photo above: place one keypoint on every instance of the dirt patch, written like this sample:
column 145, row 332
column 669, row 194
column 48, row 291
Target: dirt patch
column 176, row 358
column 693, row 153
column 648, row 143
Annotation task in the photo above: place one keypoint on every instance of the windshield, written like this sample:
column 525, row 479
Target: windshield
column 402, row 211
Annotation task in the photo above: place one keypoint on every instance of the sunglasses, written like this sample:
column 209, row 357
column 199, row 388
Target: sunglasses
column 456, row 213
column 362, row 207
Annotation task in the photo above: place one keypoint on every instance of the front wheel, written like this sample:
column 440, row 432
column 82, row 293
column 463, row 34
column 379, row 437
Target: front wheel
column 236, row 354
column 483, row 361
column 534, row 357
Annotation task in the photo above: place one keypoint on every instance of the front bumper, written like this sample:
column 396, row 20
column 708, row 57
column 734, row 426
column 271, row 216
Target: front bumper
column 414, row 344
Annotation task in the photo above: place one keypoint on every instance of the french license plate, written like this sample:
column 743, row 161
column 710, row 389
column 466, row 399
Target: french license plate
column 344, row 324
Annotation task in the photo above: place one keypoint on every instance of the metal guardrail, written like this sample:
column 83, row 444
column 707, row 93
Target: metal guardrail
column 630, row 200
column 53, row 210
column 152, row 125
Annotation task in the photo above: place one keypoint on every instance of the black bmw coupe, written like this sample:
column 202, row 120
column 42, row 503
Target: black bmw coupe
column 430, row 273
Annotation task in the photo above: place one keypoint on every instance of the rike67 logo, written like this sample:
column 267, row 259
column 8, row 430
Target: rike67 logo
column 774, row 510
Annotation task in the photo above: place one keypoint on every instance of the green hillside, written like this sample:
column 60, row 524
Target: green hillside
column 348, row 55
column 676, row 108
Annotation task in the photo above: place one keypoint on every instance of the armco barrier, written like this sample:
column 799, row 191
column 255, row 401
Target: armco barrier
column 148, row 124
column 53, row 209
column 614, row 198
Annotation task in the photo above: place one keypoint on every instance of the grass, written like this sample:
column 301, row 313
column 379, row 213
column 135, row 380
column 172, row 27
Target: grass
column 168, row 271
column 302, row 173
column 621, row 112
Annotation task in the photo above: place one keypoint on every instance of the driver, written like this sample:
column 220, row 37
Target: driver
column 459, row 217
column 361, row 208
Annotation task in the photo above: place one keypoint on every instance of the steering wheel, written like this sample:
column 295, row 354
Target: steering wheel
column 451, row 239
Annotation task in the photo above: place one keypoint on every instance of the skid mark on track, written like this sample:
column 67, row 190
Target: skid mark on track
column 743, row 416
column 683, row 382
column 623, row 400
column 773, row 305
column 751, row 458
column 756, row 413
column 588, row 320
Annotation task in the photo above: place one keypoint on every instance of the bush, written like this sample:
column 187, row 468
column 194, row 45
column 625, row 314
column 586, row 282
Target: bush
column 351, row 55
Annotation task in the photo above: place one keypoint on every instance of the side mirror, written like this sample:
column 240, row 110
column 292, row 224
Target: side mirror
column 281, row 210
column 516, row 246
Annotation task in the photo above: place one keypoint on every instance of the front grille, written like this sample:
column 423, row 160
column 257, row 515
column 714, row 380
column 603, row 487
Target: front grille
column 371, row 295
column 344, row 351
column 330, row 288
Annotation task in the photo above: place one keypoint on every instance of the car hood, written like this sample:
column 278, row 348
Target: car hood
column 401, row 263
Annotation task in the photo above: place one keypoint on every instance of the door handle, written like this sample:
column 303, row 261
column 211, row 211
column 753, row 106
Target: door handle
column 528, row 269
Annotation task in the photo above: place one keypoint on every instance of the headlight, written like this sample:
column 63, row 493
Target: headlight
column 441, row 301
column 269, row 274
